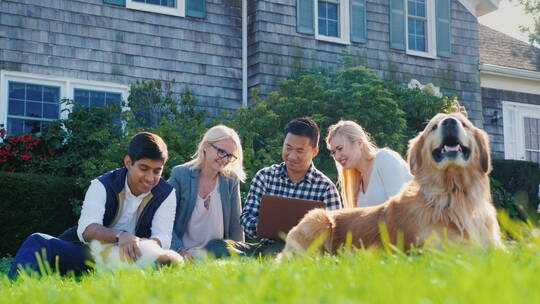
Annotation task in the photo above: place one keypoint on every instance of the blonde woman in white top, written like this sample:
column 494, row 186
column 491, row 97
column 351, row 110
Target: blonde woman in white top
column 367, row 175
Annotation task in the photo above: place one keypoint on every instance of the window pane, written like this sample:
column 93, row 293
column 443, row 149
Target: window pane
column 421, row 44
column 323, row 29
column 412, row 42
column 322, row 9
column 34, row 92
column 50, row 111
column 15, row 126
column 16, row 107
column 16, row 90
column 81, row 97
column 32, row 126
column 421, row 9
column 332, row 28
column 33, row 109
column 113, row 98
column 51, row 94
column 332, row 12
column 420, row 28
column 411, row 8
column 97, row 99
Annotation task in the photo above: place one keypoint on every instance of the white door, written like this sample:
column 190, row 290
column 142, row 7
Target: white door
column 521, row 131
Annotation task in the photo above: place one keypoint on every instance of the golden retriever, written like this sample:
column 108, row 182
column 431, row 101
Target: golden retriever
column 107, row 256
column 449, row 196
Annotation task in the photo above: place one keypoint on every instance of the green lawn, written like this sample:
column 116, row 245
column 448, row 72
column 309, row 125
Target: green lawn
column 442, row 275
column 449, row 276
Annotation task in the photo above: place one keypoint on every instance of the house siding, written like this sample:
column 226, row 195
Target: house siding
column 91, row 40
column 276, row 50
column 492, row 100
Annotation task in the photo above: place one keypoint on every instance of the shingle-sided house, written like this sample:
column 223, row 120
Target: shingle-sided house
column 91, row 50
column 510, row 81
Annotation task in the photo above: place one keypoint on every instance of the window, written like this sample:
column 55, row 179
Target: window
column 29, row 101
column 332, row 20
column 420, row 27
column 521, row 125
column 166, row 3
column 167, row 7
column 329, row 18
column 90, row 98
column 31, row 106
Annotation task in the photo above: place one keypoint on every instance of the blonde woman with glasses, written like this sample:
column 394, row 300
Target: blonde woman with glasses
column 367, row 175
column 208, row 192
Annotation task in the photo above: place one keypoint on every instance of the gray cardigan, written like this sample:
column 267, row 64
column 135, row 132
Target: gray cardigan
column 186, row 182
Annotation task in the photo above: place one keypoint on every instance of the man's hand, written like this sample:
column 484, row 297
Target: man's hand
column 129, row 246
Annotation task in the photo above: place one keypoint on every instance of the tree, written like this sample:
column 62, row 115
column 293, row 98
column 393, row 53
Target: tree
column 532, row 8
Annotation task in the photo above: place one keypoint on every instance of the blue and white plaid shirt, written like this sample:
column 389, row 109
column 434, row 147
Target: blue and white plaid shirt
column 274, row 180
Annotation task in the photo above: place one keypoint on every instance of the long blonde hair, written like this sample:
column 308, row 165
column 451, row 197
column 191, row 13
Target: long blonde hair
column 349, row 180
column 215, row 134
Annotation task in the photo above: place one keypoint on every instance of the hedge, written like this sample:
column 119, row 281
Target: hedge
column 518, row 176
column 34, row 203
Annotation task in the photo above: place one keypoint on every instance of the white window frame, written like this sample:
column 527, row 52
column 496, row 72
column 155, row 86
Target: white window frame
column 430, row 34
column 67, row 87
column 514, row 114
column 344, row 23
column 179, row 10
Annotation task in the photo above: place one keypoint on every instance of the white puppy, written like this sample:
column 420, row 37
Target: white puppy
column 108, row 255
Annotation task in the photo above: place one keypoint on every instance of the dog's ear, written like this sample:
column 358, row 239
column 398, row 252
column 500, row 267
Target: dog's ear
column 414, row 155
column 482, row 142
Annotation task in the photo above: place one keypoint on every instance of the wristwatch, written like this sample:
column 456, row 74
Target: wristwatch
column 118, row 234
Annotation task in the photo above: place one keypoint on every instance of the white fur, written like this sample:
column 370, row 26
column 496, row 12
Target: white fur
column 108, row 255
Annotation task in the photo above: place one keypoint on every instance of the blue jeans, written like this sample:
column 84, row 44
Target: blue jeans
column 71, row 256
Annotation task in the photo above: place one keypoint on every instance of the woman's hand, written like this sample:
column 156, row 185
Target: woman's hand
column 186, row 254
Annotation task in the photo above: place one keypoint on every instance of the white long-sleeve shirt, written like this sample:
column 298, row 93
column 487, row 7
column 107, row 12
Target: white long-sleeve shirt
column 390, row 173
column 94, row 208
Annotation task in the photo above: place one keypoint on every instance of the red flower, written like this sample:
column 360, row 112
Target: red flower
column 29, row 138
column 3, row 160
column 21, row 138
column 12, row 140
column 26, row 157
column 7, row 148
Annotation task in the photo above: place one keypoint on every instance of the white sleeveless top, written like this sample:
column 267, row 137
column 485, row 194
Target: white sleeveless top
column 205, row 224
column 390, row 173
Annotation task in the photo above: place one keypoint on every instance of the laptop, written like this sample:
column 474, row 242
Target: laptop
column 279, row 214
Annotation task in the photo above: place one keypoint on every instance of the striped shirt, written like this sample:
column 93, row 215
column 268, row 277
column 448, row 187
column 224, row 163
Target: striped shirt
column 274, row 180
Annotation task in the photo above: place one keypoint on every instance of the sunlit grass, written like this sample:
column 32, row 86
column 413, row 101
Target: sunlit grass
column 443, row 274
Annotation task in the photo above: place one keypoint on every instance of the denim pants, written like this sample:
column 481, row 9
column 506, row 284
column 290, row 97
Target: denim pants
column 70, row 256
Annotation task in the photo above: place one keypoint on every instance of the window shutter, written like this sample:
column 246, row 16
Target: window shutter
column 196, row 8
column 304, row 17
column 397, row 24
column 115, row 2
column 442, row 14
column 358, row 21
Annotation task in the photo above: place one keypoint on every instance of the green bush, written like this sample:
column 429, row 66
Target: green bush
column 391, row 114
column 520, row 178
column 34, row 203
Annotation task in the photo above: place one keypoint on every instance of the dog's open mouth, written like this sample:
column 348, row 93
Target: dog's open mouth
column 450, row 149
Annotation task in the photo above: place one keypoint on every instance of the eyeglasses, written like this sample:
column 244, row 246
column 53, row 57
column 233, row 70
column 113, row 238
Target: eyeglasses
column 223, row 154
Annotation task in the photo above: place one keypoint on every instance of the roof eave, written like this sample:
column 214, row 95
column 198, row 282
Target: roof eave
column 480, row 7
column 490, row 69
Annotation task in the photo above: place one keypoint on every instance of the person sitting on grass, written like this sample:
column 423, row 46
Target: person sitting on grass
column 122, row 206
column 296, row 177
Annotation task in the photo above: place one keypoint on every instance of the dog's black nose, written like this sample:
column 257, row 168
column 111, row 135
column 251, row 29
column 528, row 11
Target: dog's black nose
column 449, row 122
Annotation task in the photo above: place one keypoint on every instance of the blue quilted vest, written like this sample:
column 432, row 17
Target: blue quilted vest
column 114, row 183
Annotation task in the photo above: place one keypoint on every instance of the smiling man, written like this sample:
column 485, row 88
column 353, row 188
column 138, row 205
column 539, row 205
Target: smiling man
column 122, row 206
column 296, row 177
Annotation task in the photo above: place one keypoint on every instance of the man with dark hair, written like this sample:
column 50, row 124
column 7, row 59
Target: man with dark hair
column 296, row 177
column 122, row 206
